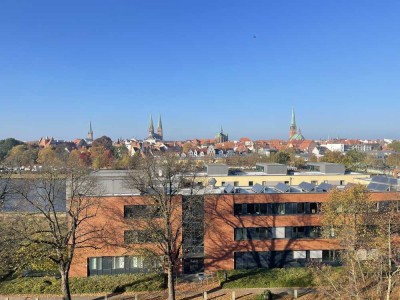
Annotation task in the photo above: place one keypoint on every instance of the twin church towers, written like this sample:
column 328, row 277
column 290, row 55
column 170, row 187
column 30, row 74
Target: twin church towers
column 155, row 135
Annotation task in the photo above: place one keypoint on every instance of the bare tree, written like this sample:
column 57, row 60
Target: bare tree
column 161, row 181
column 365, row 231
column 7, row 247
column 58, row 214
column 387, row 224
column 5, row 179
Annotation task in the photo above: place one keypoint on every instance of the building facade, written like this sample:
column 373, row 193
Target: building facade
column 234, row 228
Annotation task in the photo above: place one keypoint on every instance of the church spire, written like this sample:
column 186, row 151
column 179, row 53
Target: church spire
column 293, row 123
column 293, row 127
column 159, row 128
column 90, row 133
column 151, row 127
column 159, row 125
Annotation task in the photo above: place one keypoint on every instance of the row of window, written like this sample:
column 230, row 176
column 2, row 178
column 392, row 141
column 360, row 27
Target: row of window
column 282, row 259
column 389, row 205
column 265, row 183
column 266, row 233
column 110, row 265
column 266, row 209
column 141, row 211
column 290, row 208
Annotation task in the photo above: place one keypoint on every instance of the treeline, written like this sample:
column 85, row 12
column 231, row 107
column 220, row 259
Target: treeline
column 102, row 153
column 353, row 160
column 17, row 155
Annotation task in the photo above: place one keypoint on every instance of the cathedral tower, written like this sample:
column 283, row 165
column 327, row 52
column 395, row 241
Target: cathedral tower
column 151, row 128
column 159, row 129
column 293, row 127
column 90, row 133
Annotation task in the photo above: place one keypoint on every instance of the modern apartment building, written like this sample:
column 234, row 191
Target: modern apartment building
column 235, row 226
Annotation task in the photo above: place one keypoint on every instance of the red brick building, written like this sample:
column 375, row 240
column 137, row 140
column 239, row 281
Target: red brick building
column 267, row 228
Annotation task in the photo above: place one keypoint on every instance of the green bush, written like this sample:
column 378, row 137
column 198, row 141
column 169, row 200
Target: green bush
column 86, row 285
column 267, row 278
column 266, row 295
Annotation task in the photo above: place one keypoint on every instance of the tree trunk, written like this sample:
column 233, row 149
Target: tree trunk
column 171, row 282
column 65, row 285
column 389, row 239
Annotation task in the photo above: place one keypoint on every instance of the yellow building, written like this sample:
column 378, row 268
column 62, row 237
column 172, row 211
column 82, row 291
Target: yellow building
column 272, row 174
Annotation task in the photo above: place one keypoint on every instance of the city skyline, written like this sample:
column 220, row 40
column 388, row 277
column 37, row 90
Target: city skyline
column 200, row 65
column 90, row 135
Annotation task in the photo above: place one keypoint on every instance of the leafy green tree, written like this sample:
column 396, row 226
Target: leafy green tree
column 373, row 162
column 101, row 157
column 395, row 146
column 281, row 157
column 6, row 145
column 333, row 157
column 47, row 156
column 22, row 155
column 59, row 233
column 16, row 254
column 393, row 160
column 299, row 163
column 63, row 150
column 365, row 232
column 119, row 151
column 355, row 160
column 80, row 158
column 186, row 147
column 103, row 141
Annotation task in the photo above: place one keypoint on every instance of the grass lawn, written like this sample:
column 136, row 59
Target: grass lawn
column 87, row 285
column 267, row 278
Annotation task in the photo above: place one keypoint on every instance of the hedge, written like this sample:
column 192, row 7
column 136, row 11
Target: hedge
column 86, row 285
column 267, row 278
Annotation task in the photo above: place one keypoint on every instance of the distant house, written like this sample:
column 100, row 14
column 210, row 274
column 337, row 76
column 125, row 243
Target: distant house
column 307, row 146
column 266, row 151
column 319, row 151
column 202, row 152
column 80, row 143
column 46, row 142
column 211, row 151
column 242, row 150
column 366, row 147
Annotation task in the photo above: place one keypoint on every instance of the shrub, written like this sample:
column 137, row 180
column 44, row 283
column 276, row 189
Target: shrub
column 86, row 285
column 266, row 295
column 267, row 278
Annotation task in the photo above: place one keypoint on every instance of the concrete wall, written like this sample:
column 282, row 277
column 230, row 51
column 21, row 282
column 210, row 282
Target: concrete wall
column 333, row 168
column 273, row 169
column 217, row 169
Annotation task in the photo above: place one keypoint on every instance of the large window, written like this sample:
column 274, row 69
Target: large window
column 281, row 259
column 118, row 262
column 266, row 233
column 140, row 211
column 270, row 209
column 110, row 265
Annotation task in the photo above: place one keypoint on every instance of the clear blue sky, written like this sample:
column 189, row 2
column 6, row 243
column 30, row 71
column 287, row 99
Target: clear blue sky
column 201, row 64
